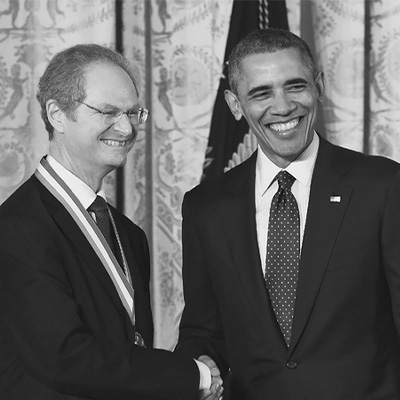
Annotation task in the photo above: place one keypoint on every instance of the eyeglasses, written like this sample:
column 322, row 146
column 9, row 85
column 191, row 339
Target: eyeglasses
column 136, row 117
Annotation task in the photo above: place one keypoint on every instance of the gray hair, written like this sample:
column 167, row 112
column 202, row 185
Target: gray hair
column 64, row 79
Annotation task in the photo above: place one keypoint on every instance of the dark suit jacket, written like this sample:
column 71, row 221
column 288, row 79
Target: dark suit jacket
column 345, row 337
column 64, row 332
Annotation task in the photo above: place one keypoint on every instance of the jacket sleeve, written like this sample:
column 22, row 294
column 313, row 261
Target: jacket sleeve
column 201, row 329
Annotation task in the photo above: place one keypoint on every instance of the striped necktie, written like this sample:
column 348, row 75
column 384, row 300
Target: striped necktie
column 100, row 210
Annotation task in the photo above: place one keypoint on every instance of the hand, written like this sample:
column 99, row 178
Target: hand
column 216, row 389
column 214, row 393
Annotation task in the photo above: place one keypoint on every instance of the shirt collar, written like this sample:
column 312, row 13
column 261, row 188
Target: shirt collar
column 82, row 191
column 301, row 168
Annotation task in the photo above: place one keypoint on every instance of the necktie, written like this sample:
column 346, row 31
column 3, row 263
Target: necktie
column 100, row 209
column 283, row 247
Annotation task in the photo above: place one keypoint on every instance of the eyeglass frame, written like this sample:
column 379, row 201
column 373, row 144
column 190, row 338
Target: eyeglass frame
column 142, row 113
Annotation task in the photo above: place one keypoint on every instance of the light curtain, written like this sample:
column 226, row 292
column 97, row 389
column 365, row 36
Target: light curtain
column 31, row 32
column 357, row 46
column 178, row 47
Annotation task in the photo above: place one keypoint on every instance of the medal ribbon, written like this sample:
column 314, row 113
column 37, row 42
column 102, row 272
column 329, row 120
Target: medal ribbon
column 58, row 188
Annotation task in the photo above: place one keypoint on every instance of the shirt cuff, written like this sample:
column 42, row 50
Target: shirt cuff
column 205, row 375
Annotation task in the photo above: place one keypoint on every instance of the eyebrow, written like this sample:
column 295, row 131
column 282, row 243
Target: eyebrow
column 263, row 88
column 114, row 107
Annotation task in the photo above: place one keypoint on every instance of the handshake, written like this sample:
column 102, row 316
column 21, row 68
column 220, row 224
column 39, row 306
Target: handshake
column 216, row 389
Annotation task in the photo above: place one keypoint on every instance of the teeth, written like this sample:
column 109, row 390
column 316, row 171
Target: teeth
column 285, row 127
column 113, row 143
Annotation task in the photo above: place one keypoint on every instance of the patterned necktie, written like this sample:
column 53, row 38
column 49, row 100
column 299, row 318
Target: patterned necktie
column 283, row 248
column 100, row 209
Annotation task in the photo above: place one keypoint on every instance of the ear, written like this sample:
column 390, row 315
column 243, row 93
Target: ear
column 320, row 85
column 55, row 115
column 233, row 104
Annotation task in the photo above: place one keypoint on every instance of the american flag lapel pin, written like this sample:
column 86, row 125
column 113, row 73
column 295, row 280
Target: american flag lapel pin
column 335, row 199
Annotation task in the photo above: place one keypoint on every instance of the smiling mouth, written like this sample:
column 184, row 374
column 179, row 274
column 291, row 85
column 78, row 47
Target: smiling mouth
column 287, row 126
column 114, row 143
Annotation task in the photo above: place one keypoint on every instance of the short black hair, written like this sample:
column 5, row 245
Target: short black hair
column 262, row 41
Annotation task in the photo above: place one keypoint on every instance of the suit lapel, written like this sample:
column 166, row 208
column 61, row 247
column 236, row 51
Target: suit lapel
column 238, row 217
column 128, row 249
column 134, row 265
column 74, row 235
column 329, row 198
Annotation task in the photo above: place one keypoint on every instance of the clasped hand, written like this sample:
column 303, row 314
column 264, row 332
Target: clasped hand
column 216, row 389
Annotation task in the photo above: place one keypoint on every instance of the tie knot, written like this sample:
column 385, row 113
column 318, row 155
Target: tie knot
column 285, row 180
column 98, row 205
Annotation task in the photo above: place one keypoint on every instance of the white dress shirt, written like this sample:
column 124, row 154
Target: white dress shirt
column 301, row 169
column 81, row 190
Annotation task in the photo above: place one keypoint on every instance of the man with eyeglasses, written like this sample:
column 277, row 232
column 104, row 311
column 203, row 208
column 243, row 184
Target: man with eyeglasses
column 74, row 272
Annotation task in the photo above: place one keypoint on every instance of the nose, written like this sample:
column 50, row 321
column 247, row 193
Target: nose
column 282, row 104
column 123, row 125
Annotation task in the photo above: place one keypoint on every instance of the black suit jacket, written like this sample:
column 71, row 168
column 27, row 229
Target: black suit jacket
column 345, row 338
column 64, row 332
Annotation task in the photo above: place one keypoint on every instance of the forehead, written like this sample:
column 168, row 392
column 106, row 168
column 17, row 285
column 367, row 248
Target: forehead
column 273, row 68
column 109, row 83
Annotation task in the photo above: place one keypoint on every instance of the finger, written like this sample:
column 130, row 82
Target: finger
column 217, row 379
column 204, row 395
column 208, row 395
column 211, row 364
column 217, row 388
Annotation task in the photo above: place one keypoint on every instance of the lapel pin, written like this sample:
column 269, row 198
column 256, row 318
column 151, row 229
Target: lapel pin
column 335, row 199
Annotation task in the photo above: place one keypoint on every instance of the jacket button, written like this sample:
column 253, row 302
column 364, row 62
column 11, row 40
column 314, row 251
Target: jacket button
column 291, row 364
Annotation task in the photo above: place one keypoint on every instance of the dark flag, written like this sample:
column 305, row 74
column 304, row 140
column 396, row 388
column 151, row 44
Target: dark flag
column 229, row 141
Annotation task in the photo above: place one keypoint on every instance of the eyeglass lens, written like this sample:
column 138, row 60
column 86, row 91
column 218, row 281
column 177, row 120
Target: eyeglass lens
column 135, row 118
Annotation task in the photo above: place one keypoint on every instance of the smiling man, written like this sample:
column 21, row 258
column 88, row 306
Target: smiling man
column 75, row 304
column 278, row 94
column 291, row 260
